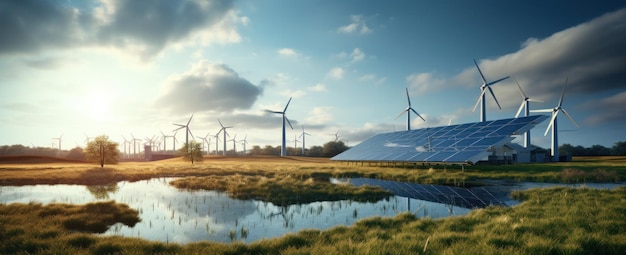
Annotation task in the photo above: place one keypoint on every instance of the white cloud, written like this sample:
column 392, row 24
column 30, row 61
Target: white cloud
column 244, row 20
column 318, row 87
column 357, row 55
column 610, row 109
column 425, row 82
column 335, row 73
column 208, row 87
column 292, row 93
column 373, row 78
column 320, row 116
column 357, row 26
column 289, row 52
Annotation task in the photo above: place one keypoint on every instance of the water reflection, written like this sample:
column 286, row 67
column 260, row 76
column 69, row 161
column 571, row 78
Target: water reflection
column 181, row 216
column 102, row 191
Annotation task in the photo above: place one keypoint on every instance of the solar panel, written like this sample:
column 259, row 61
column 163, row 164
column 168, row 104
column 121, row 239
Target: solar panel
column 463, row 143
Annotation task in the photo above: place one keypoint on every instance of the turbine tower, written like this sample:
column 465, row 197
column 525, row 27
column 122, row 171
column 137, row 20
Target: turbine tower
column 283, row 148
column 483, row 88
column 408, row 111
column 217, row 142
column 207, row 141
column 553, row 123
column 59, row 139
column 187, row 131
column 295, row 144
column 526, row 107
column 125, row 142
column 225, row 134
column 234, row 144
column 134, row 140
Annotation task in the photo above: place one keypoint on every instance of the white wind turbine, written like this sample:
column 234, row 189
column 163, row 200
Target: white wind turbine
column 483, row 88
column 59, row 139
column 87, row 138
column 408, row 111
column 217, row 142
column 207, row 141
column 134, row 140
column 234, row 144
column 303, row 135
column 526, row 107
column 225, row 134
column 553, row 124
column 283, row 149
column 244, row 142
column 187, row 131
column 125, row 142
column 336, row 134
column 295, row 144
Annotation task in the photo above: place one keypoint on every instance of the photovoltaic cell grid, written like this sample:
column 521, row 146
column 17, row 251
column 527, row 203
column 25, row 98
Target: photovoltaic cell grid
column 464, row 143
column 462, row 197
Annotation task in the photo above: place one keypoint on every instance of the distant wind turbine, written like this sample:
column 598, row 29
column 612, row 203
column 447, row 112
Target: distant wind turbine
column 408, row 111
column 217, row 142
column 207, row 141
column 59, row 139
column 134, row 140
column 336, row 134
column 295, row 143
column 87, row 138
column 223, row 129
column 283, row 149
column 553, row 123
column 526, row 107
column 483, row 88
column 234, row 144
column 303, row 135
column 244, row 142
column 125, row 142
column 187, row 131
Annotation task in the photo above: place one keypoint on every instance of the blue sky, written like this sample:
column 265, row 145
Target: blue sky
column 120, row 67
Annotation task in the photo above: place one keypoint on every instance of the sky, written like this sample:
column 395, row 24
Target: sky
column 120, row 68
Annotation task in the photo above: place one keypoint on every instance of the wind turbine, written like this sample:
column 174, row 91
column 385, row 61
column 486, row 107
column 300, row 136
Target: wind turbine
column 187, row 131
column 125, row 142
column 408, row 111
column 225, row 134
column 283, row 149
column 553, row 124
column 134, row 140
column 244, row 142
column 207, row 143
column 336, row 134
column 217, row 142
column 234, row 144
column 87, row 138
column 59, row 139
column 303, row 135
column 526, row 107
column 295, row 143
column 483, row 88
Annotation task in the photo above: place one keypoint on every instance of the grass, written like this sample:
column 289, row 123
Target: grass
column 548, row 221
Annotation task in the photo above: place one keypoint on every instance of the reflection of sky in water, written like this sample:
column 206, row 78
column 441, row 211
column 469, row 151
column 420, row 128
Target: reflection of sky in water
column 173, row 215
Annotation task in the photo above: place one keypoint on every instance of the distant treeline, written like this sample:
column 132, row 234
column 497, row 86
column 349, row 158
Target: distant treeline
column 619, row 149
column 329, row 149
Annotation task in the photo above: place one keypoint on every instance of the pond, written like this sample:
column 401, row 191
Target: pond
column 172, row 215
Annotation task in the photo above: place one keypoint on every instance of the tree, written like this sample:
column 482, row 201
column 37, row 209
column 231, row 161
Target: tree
column 102, row 150
column 619, row 149
column 193, row 152
column 76, row 154
column 333, row 148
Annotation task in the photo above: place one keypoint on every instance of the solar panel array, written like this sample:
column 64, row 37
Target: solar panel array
column 464, row 143
column 462, row 197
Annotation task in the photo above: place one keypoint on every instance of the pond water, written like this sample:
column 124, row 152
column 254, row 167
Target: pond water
column 172, row 215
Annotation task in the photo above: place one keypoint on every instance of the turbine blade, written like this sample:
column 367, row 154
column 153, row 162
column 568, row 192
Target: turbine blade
column 407, row 97
column 496, row 81
column 479, row 98
column 542, row 110
column 218, row 120
column 494, row 96
column 189, row 130
column 401, row 113
column 521, row 90
column 562, row 94
column 288, row 122
column 570, row 117
column 189, row 121
column 418, row 115
column 287, row 105
column 520, row 109
column 480, row 72
column 550, row 124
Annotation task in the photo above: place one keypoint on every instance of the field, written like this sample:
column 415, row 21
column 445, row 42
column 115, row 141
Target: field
column 548, row 221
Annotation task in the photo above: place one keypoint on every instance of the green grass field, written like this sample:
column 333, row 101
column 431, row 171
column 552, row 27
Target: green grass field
column 548, row 221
